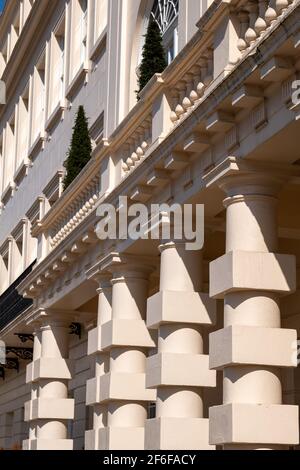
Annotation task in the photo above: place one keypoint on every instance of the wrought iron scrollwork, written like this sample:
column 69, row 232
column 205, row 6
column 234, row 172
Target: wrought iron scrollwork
column 11, row 364
column 24, row 337
column 164, row 13
column 25, row 354
column 75, row 329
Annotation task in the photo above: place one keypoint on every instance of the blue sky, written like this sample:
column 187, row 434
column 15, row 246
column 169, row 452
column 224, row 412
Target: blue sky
column 2, row 2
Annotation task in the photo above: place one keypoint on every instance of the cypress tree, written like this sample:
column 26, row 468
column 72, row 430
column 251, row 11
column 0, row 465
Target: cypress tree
column 153, row 57
column 80, row 149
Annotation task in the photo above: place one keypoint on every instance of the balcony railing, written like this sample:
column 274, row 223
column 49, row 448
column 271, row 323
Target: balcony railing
column 11, row 303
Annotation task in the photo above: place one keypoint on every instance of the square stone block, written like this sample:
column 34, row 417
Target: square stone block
column 121, row 438
column 118, row 386
column 94, row 341
column 180, row 307
column 49, row 368
column 123, row 332
column 177, row 434
column 49, row 408
column 190, row 370
column 93, row 391
column 251, row 345
column 91, row 441
column 243, row 270
column 242, row 423
column 48, row 444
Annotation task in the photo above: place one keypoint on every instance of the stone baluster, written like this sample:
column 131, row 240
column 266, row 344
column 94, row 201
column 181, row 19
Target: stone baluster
column 186, row 102
column 179, row 110
column 194, row 95
column 260, row 23
column 271, row 14
column 251, row 35
column 243, row 17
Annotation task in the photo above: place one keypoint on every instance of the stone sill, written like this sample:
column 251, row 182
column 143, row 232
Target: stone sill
column 21, row 171
column 37, row 145
column 79, row 79
column 99, row 45
column 56, row 115
column 8, row 193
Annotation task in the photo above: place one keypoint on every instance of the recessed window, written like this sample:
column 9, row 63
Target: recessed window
column 165, row 13
column 57, row 66
column 23, row 126
column 38, row 99
column 83, row 33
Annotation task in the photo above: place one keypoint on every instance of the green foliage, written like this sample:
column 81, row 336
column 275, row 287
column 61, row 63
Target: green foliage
column 154, row 57
column 80, row 149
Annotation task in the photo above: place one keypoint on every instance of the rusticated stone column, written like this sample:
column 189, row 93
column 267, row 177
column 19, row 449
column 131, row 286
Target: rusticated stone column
column 180, row 369
column 252, row 348
column 101, row 360
column 126, row 339
column 49, row 409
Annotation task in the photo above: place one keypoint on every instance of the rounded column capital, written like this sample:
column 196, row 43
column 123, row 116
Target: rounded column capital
column 251, row 184
column 249, row 198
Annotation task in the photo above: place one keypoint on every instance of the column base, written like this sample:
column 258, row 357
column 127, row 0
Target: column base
column 121, row 438
column 177, row 434
column 48, row 444
column 240, row 423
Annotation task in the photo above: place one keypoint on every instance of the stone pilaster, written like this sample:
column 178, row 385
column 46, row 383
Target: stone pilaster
column 180, row 369
column 253, row 347
column 49, row 409
column 100, row 410
column 126, row 339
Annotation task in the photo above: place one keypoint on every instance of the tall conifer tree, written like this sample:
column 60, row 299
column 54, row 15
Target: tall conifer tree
column 154, row 57
column 80, row 149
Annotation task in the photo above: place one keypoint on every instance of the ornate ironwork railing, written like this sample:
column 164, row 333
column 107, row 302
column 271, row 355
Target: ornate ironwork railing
column 11, row 303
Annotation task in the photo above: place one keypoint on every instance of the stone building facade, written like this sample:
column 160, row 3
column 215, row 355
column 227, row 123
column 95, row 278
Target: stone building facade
column 143, row 344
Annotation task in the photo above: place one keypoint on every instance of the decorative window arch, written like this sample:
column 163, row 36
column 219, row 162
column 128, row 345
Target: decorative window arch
column 165, row 13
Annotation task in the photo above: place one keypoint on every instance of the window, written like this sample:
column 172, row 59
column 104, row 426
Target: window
column 4, row 267
column 57, row 67
column 38, row 99
column 83, row 32
column 26, row 6
column 9, row 154
column 100, row 18
column 1, row 162
column 18, row 251
column 79, row 36
column 165, row 13
column 14, row 33
column 3, row 57
column 23, row 127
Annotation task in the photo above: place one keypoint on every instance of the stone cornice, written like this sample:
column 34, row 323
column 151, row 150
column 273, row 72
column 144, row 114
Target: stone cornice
column 127, row 262
column 41, row 316
column 231, row 167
